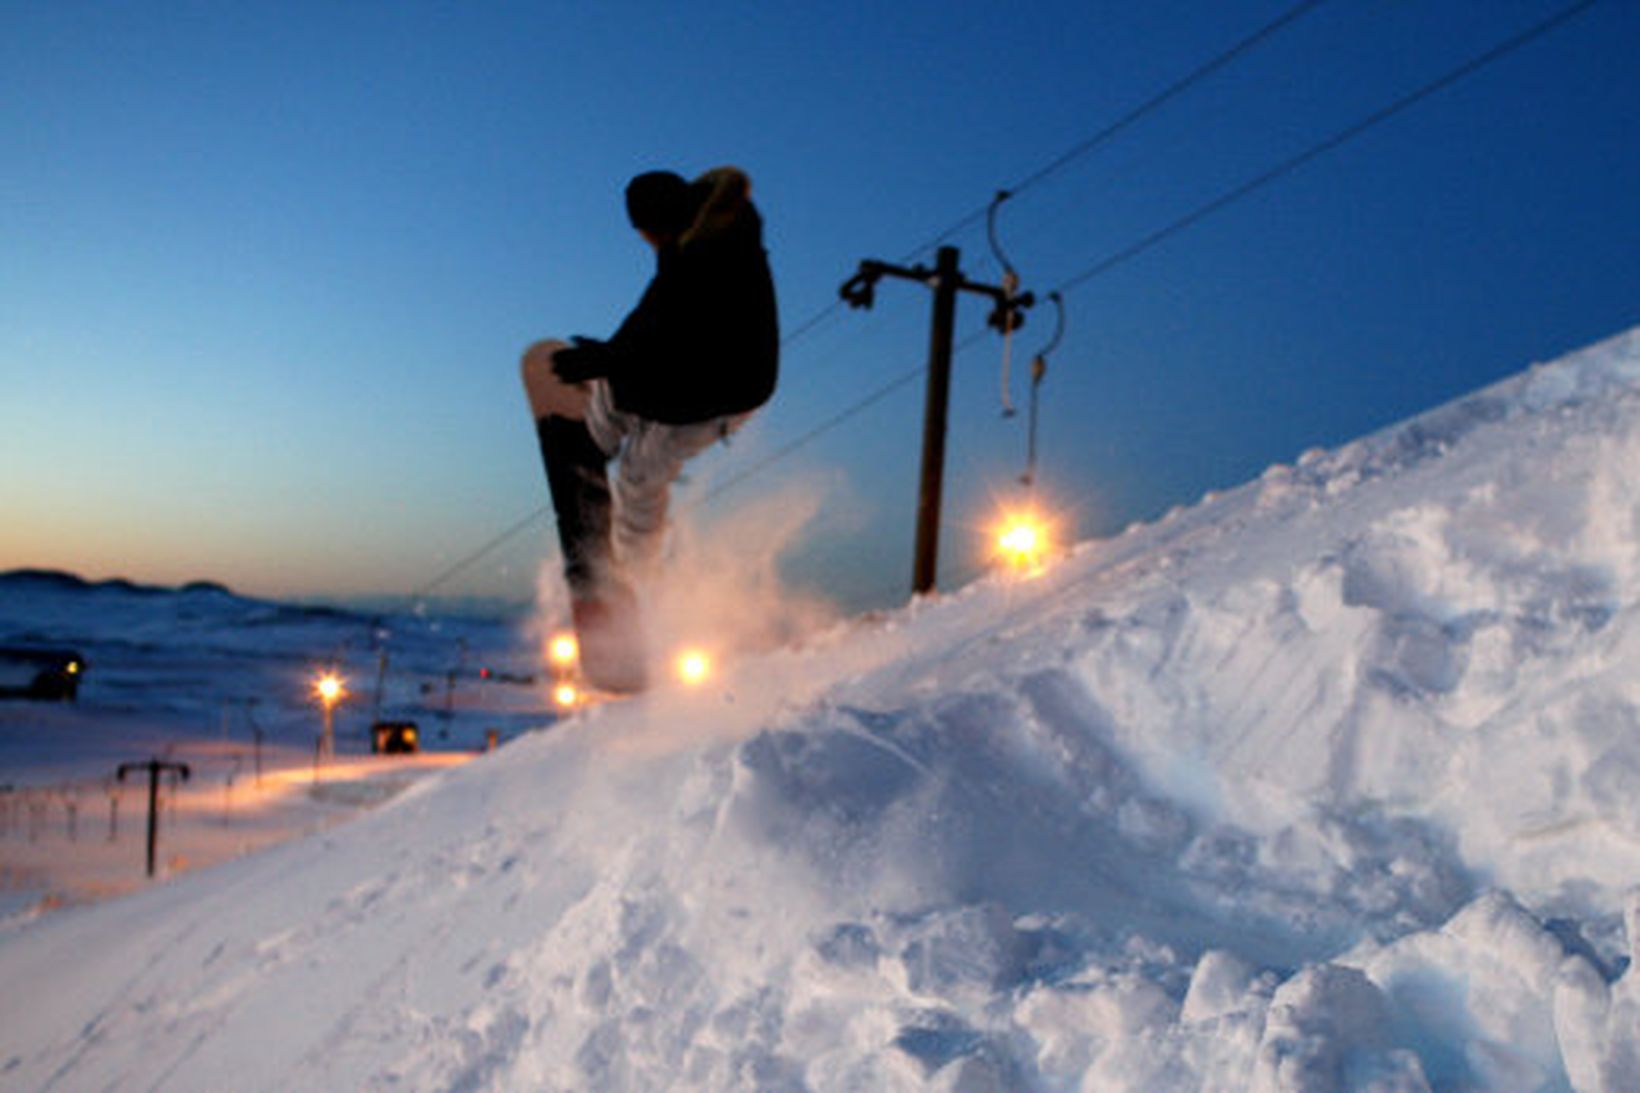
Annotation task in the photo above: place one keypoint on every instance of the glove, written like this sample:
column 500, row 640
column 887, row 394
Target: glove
column 582, row 360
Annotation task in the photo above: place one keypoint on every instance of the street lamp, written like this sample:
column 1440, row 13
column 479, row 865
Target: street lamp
column 329, row 689
column 563, row 651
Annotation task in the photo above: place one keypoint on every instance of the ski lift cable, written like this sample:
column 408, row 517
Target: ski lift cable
column 1082, row 148
column 852, row 410
column 811, row 323
column 450, row 571
column 1338, row 139
column 791, row 447
column 1128, row 120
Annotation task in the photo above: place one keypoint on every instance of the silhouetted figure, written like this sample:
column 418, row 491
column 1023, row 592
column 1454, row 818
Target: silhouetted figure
column 686, row 368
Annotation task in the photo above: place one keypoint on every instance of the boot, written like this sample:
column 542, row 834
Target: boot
column 605, row 611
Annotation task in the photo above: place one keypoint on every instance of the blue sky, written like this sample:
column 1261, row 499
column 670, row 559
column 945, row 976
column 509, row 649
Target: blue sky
column 266, row 270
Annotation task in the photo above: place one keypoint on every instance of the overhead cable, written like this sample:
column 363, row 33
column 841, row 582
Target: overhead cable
column 1167, row 94
column 1343, row 136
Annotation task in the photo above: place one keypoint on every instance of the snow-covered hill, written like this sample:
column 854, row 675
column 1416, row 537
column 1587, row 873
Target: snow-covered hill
column 1331, row 782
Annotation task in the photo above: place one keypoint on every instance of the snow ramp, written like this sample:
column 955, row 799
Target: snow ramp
column 1330, row 782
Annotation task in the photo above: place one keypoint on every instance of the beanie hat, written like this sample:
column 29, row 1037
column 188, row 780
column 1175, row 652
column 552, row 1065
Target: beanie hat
column 659, row 202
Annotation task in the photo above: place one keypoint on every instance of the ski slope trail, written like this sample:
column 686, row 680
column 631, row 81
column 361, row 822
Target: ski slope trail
column 1330, row 782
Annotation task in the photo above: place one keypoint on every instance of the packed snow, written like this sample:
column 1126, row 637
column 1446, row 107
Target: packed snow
column 1330, row 782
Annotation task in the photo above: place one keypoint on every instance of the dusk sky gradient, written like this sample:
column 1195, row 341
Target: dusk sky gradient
column 266, row 269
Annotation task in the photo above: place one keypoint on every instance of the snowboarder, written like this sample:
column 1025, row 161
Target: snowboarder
column 686, row 368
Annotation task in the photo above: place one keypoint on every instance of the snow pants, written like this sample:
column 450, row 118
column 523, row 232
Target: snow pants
column 606, row 531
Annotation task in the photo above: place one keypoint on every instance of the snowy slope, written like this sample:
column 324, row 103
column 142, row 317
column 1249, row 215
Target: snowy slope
column 1331, row 782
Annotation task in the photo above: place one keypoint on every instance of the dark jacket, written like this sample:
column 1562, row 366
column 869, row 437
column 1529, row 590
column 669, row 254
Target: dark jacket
column 704, row 341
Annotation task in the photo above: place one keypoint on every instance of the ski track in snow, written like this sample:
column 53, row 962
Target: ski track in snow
column 1327, row 783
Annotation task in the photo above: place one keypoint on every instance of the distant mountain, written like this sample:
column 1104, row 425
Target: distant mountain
column 42, row 578
column 61, row 580
column 46, row 605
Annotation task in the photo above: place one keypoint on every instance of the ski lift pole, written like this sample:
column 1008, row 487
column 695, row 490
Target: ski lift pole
column 936, row 412
column 154, row 767
column 947, row 281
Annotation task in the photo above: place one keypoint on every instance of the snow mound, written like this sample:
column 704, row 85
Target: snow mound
column 1328, row 783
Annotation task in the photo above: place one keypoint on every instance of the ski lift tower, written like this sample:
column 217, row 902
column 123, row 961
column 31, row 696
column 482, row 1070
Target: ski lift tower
column 947, row 281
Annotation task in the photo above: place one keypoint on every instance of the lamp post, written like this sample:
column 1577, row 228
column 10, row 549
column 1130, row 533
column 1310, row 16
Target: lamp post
column 329, row 690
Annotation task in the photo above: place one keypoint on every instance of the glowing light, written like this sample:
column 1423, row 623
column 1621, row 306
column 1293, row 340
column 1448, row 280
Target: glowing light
column 566, row 695
column 329, row 688
column 694, row 666
column 1022, row 540
column 563, row 649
